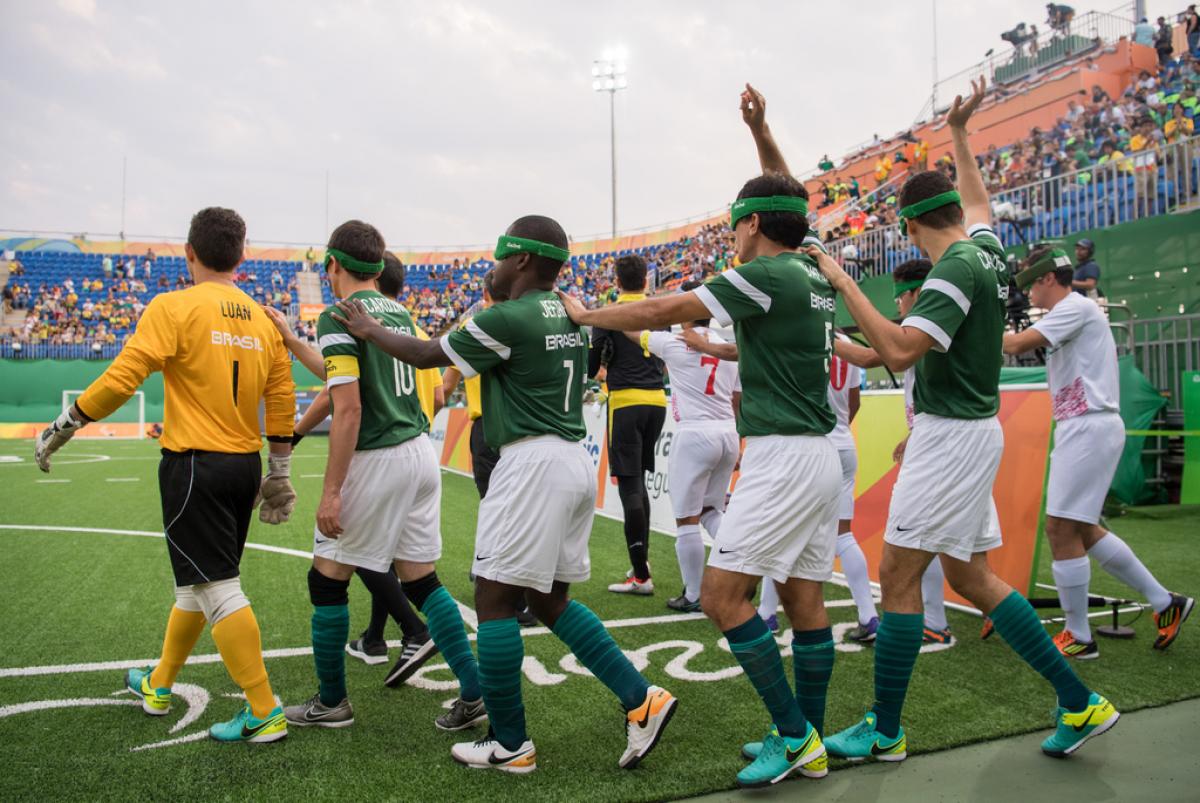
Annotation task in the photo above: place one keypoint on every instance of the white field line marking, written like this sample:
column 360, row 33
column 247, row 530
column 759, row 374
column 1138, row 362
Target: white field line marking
column 78, row 702
column 123, row 479
column 50, row 482
column 310, row 476
column 295, row 652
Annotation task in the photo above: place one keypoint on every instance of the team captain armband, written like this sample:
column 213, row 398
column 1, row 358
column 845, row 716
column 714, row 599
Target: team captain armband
column 341, row 368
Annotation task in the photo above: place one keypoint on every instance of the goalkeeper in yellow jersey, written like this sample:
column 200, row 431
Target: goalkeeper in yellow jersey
column 220, row 356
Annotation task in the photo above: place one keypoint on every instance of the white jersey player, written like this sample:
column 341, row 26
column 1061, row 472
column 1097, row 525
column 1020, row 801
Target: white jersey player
column 1081, row 366
column 704, row 451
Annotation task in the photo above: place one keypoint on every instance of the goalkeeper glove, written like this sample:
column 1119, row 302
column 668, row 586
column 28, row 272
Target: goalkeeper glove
column 54, row 436
column 278, row 496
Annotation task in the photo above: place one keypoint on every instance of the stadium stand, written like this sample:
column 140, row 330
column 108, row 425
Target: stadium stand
column 1108, row 137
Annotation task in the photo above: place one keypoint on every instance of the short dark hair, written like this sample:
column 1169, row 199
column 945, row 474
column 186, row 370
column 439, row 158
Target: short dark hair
column 391, row 280
column 546, row 230
column 925, row 185
column 631, row 272
column 913, row 270
column 687, row 287
column 361, row 241
column 1064, row 275
column 218, row 237
column 786, row 228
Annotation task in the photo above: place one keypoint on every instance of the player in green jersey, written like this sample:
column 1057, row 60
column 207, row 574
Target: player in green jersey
column 782, row 310
column 535, row 521
column 381, row 503
column 942, row 499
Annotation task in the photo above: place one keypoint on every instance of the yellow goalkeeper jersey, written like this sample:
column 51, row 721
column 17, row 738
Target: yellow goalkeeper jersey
column 220, row 356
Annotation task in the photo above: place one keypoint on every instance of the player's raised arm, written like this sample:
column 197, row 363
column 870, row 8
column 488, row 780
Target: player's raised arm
column 855, row 354
column 147, row 350
column 976, row 208
column 653, row 313
column 754, row 115
column 414, row 351
column 898, row 346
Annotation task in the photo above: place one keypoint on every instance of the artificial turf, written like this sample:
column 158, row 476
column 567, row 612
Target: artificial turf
column 87, row 597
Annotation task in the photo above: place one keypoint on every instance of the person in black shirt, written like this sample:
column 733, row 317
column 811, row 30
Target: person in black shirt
column 1087, row 272
column 637, row 408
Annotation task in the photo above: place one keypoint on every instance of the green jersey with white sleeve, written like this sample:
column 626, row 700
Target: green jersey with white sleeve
column 533, row 364
column 391, row 409
column 781, row 308
column 962, row 307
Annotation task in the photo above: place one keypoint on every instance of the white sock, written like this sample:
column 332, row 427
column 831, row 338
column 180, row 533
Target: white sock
column 689, row 549
column 768, row 601
column 854, row 566
column 1116, row 558
column 933, row 595
column 712, row 521
column 1072, row 577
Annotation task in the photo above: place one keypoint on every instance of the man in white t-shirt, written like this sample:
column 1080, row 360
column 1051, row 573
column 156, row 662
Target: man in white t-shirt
column 1081, row 367
column 704, row 397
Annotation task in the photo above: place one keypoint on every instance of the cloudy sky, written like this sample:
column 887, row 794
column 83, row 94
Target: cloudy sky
column 442, row 121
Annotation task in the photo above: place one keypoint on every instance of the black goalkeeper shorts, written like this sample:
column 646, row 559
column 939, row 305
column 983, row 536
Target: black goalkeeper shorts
column 632, row 436
column 483, row 458
column 207, row 502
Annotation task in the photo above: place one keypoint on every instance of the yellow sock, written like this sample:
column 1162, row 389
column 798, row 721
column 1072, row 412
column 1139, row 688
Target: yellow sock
column 183, row 629
column 240, row 644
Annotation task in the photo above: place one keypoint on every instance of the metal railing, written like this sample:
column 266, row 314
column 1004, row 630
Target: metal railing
column 13, row 349
column 1141, row 184
column 1163, row 349
column 1087, row 32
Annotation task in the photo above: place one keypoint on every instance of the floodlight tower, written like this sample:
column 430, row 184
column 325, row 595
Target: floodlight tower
column 608, row 75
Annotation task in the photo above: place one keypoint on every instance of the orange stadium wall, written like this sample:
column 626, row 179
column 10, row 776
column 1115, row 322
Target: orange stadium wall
column 1011, row 119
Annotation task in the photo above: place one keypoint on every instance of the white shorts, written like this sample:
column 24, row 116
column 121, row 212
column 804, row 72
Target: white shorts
column 782, row 519
column 849, row 458
column 1086, row 451
column 699, row 467
column 391, row 508
column 536, row 519
column 943, row 495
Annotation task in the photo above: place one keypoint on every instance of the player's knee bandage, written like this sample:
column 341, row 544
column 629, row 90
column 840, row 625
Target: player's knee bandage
column 186, row 600
column 418, row 591
column 220, row 599
column 846, row 541
column 324, row 590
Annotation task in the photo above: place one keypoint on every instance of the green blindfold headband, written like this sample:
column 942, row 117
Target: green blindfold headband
column 351, row 264
column 928, row 205
column 904, row 287
column 1048, row 264
column 771, row 203
column 507, row 246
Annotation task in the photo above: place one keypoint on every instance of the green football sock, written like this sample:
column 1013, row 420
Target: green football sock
column 1020, row 626
column 501, row 653
column 330, row 629
column 585, row 635
column 757, row 651
column 812, row 660
column 897, row 643
column 450, row 635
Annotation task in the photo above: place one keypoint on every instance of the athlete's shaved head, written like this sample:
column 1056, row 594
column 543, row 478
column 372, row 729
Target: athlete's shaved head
column 391, row 280
column 544, row 230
